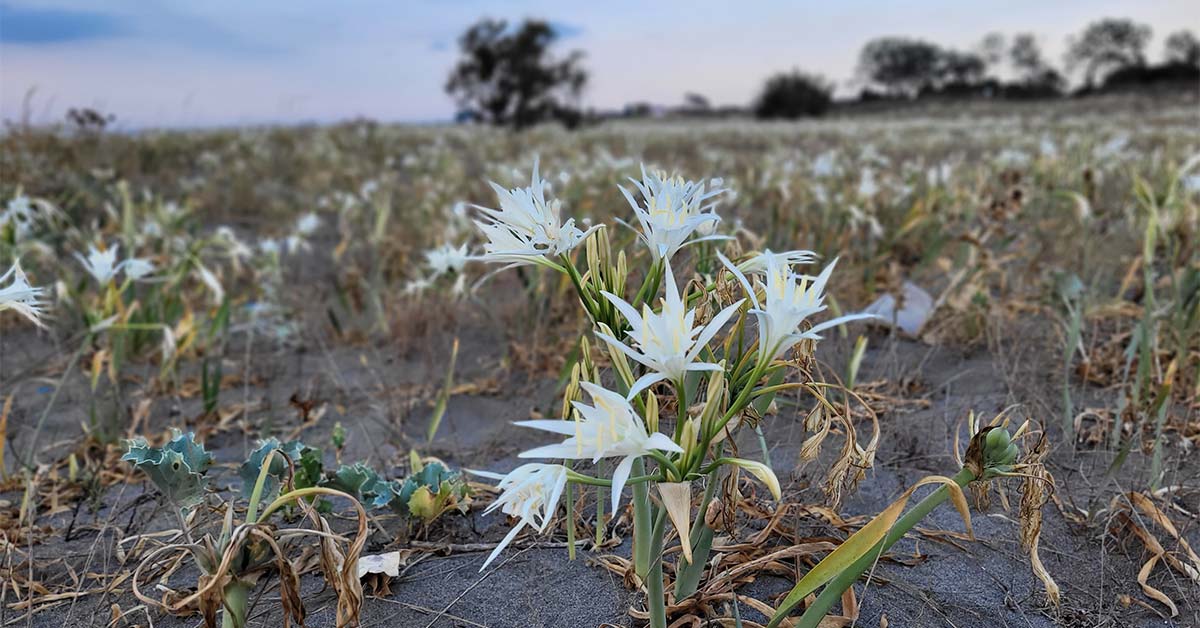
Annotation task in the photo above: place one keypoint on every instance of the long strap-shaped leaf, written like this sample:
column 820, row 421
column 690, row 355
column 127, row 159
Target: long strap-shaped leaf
column 868, row 538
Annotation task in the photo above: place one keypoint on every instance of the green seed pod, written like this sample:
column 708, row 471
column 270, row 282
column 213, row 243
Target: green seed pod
column 997, row 438
column 1010, row 454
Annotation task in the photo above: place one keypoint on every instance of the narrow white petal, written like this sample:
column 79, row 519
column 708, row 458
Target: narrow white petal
column 556, row 426
column 620, row 476
column 645, row 382
column 554, row 452
column 713, row 327
column 662, row 442
column 841, row 320
column 508, row 538
column 626, row 310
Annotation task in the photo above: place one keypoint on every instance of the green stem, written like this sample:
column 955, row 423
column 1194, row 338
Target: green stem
column 681, row 398
column 656, row 600
column 834, row 589
column 580, row 478
column 570, row 522
column 599, row 514
column 577, row 281
column 259, row 484
column 641, row 522
column 762, row 443
column 650, row 284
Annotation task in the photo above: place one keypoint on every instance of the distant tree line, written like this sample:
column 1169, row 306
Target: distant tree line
column 1109, row 54
column 508, row 76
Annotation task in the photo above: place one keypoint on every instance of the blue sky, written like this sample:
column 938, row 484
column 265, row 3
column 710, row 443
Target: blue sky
column 219, row 62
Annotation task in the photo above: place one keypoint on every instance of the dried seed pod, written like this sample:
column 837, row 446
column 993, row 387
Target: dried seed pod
column 714, row 516
column 1033, row 498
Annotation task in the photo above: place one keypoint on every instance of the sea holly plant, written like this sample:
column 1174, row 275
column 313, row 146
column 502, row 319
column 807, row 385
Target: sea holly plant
column 233, row 561
column 681, row 383
column 429, row 491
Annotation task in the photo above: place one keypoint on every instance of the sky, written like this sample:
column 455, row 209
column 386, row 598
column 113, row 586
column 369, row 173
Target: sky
column 175, row 63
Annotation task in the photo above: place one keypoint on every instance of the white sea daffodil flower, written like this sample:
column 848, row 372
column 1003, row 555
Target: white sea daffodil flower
column 137, row 268
column 758, row 263
column 527, row 229
column 101, row 265
column 21, row 213
column 268, row 246
column 417, row 285
column 308, row 224
column 20, row 296
column 666, row 342
column 530, row 493
column 674, row 210
column 790, row 300
column 447, row 258
column 608, row 428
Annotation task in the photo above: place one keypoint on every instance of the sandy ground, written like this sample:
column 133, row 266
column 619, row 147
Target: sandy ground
column 382, row 393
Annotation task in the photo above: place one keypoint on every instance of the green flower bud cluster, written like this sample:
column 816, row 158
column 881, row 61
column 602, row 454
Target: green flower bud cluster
column 999, row 452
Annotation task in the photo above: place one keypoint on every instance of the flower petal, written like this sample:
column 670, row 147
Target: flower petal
column 620, row 476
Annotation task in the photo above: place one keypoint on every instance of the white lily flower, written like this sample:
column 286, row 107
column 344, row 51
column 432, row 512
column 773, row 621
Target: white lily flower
column 137, row 267
column 530, row 493
column 101, row 265
column 609, row 428
column 168, row 345
column 418, row 285
column 825, row 165
column 238, row 250
column 666, row 342
column 460, row 285
column 447, row 258
column 296, row 243
column 674, row 209
column 790, row 300
column 269, row 246
column 308, row 224
column 212, row 283
column 867, row 188
column 1191, row 183
column 758, row 263
column 527, row 229
column 20, row 296
column 22, row 214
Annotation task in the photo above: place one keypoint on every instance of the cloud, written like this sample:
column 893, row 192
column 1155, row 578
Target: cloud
column 21, row 25
column 147, row 26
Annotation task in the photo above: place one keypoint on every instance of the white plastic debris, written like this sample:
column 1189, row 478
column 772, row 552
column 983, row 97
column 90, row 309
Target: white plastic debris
column 387, row 564
column 915, row 308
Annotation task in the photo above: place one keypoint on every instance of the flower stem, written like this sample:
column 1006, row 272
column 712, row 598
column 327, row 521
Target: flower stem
column 599, row 514
column 641, row 522
column 570, row 522
column 656, row 600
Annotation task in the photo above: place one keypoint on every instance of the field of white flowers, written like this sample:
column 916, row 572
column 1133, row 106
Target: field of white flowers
column 905, row 370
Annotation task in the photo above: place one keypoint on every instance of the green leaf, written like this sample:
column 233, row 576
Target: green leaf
column 176, row 469
column 356, row 479
column 430, row 492
column 310, row 469
column 439, row 409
